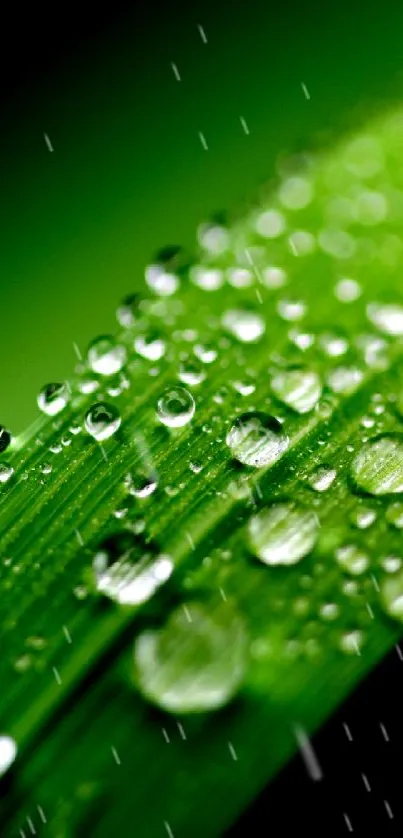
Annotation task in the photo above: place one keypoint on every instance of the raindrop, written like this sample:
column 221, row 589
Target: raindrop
column 105, row 356
column 247, row 326
column 175, row 407
column 128, row 570
column 6, row 471
column 5, row 439
column 283, row 533
column 298, row 388
column 352, row 559
column 378, row 467
column 196, row 662
column 273, row 277
column 257, row 439
column 102, row 420
column 53, row 398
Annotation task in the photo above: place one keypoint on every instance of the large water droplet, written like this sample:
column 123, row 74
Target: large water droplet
column 105, row 356
column 378, row 468
column 5, row 439
column 196, row 662
column 386, row 317
column 53, row 398
column 298, row 388
column 129, row 571
column 257, row 439
column 247, row 326
column 283, row 533
column 102, row 420
column 175, row 407
column 391, row 594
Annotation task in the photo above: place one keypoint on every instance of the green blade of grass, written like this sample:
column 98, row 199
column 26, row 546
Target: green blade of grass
column 93, row 754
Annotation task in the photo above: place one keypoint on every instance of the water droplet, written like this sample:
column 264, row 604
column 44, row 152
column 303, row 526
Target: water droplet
column 205, row 352
column 295, row 193
column 257, row 439
column 209, row 279
column 102, row 420
column 388, row 318
column 363, row 517
column 283, row 533
column 105, row 356
column 191, row 372
column 6, row 471
column 333, row 344
column 8, row 753
column 244, row 388
column 87, row 385
column 378, row 468
column 270, row 224
column 344, row 380
column 128, row 311
column 364, row 157
column 175, row 407
column 298, row 388
column 5, row 439
column 301, row 243
column 391, row 595
column 291, row 309
column 337, row 243
column 163, row 275
column 347, row 290
column 141, row 483
column 239, row 277
column 351, row 642
column 213, row 237
column 329, row 611
column 273, row 277
column 129, row 571
column 247, row 326
column 391, row 564
column 150, row 346
column 53, row 398
column 322, row 478
column 370, row 208
column 394, row 515
column 196, row 662
column 352, row 559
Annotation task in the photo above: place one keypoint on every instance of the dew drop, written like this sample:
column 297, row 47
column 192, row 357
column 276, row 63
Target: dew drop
column 102, row 420
column 387, row 318
column 347, row 290
column 128, row 311
column 6, row 471
column 5, row 439
column 363, row 517
column 128, row 570
column 322, row 478
column 351, row 642
column 162, row 276
column 53, row 398
column 295, row 193
column 298, row 388
column 283, row 533
column 8, row 753
column 352, row 559
column 273, row 277
column 291, row 309
column 394, row 515
column 196, row 662
column 344, row 380
column 257, row 439
column 205, row 352
column 270, row 224
column 378, row 467
column 391, row 596
column 209, row 279
column 105, row 356
column 141, row 483
column 191, row 373
column 246, row 326
column 150, row 346
column 175, row 407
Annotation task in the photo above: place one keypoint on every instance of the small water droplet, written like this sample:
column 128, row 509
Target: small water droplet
column 246, row 326
column 102, row 420
column 8, row 753
column 162, row 276
column 394, row 515
column 206, row 353
column 196, row 662
column 283, row 533
column 257, row 439
column 270, row 224
column 141, row 483
column 53, row 398
column 388, row 318
column 352, row 559
column 391, row 564
column 128, row 311
column 191, row 372
column 378, row 467
column 298, row 388
column 322, row 478
column 363, row 517
column 105, row 356
column 347, row 290
column 344, row 380
column 129, row 571
column 175, row 407
column 6, row 471
column 291, row 309
column 150, row 345
column 351, row 642
column 391, row 596
column 295, row 193
column 5, row 439
column 209, row 279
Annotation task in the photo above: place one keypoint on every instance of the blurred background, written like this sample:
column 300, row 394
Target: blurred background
column 102, row 161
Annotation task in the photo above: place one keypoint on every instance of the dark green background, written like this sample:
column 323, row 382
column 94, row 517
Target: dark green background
column 128, row 173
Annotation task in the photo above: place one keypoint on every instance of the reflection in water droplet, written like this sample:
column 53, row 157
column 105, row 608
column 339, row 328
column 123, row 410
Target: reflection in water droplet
column 163, row 275
column 352, row 559
column 191, row 372
column 247, row 326
column 129, row 571
column 53, row 398
column 105, row 356
column 298, row 388
column 196, row 662
column 209, row 279
column 102, row 420
column 8, row 753
column 175, row 407
column 257, row 439
column 363, row 517
column 206, row 353
column 151, row 346
column 6, row 471
column 378, row 468
column 129, row 310
column 283, row 533
column 141, row 483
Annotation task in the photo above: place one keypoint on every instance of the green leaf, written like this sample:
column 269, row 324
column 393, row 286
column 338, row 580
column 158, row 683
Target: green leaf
column 201, row 543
